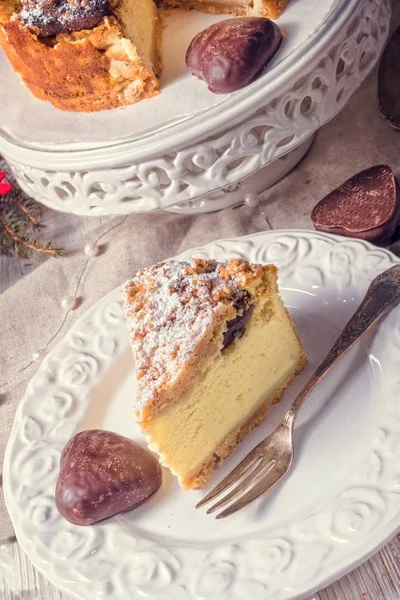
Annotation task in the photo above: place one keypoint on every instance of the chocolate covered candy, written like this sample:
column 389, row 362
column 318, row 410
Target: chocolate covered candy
column 230, row 54
column 389, row 80
column 366, row 206
column 103, row 474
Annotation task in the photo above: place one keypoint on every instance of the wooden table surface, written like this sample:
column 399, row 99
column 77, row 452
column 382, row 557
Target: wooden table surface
column 377, row 579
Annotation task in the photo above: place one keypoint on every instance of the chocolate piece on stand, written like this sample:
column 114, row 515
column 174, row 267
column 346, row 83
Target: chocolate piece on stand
column 366, row 206
column 230, row 54
column 103, row 474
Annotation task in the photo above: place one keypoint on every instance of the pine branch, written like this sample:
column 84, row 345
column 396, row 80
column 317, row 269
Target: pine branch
column 18, row 217
column 29, row 213
column 22, row 245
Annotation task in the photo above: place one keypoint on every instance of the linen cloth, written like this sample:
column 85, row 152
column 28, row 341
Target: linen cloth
column 30, row 311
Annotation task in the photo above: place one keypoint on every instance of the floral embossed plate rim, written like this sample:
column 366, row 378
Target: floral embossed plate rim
column 272, row 550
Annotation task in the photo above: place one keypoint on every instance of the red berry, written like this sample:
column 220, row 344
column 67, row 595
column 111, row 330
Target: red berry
column 5, row 188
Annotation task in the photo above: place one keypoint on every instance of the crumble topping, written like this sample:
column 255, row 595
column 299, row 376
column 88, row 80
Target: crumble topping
column 172, row 307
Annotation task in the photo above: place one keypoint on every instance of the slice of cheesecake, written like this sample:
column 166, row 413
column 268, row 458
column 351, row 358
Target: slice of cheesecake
column 84, row 55
column 214, row 348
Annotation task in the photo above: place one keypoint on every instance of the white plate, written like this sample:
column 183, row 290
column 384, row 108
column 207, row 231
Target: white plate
column 338, row 506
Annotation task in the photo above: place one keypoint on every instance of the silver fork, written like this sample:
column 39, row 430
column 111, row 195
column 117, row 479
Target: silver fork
column 272, row 458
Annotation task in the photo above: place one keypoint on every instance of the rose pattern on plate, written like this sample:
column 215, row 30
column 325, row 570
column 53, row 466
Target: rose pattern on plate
column 60, row 406
column 150, row 571
column 31, row 429
column 371, row 469
column 216, row 580
column 271, row 557
column 273, row 565
column 308, row 561
column 357, row 512
column 79, row 369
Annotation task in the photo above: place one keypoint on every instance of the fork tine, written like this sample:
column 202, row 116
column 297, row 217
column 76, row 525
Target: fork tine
column 233, row 476
column 243, row 485
column 266, row 484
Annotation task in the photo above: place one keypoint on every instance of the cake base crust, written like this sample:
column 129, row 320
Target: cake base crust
column 236, row 436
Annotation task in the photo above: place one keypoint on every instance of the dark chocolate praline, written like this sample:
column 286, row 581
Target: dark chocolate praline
column 230, row 54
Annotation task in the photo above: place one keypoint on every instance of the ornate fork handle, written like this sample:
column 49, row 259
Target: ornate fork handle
column 382, row 295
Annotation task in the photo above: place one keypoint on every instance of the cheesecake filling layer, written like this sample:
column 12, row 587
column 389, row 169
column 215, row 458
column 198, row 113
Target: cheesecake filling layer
column 248, row 374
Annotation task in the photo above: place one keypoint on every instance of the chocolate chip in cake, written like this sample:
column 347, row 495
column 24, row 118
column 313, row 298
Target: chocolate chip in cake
column 230, row 54
column 389, row 81
column 366, row 206
column 51, row 17
column 237, row 326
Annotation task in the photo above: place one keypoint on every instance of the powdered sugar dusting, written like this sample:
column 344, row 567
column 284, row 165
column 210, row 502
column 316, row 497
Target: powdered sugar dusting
column 170, row 308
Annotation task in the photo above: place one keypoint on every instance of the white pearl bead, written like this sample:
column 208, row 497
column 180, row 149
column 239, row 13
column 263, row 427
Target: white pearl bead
column 38, row 355
column 251, row 199
column 68, row 302
column 91, row 249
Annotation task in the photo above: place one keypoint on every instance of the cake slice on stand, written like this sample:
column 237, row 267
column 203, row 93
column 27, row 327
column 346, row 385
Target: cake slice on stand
column 90, row 55
column 214, row 348
column 84, row 55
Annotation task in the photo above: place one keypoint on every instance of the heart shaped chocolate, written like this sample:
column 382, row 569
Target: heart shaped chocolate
column 366, row 206
column 389, row 81
column 103, row 474
column 230, row 54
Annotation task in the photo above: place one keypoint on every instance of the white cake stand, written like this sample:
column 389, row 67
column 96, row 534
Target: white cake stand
column 208, row 160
